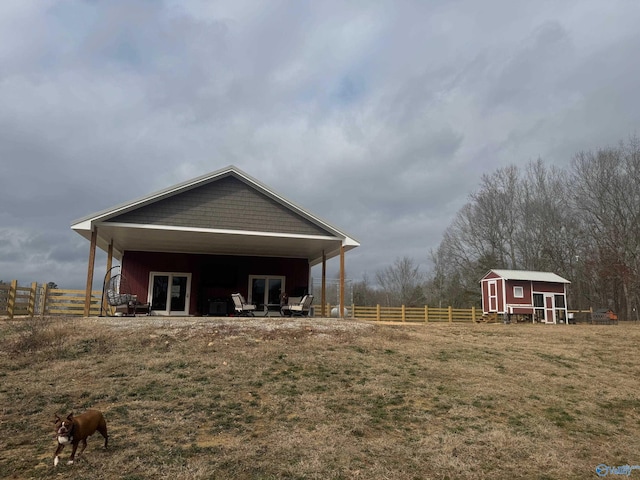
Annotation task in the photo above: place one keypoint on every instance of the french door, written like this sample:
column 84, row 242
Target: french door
column 265, row 290
column 169, row 293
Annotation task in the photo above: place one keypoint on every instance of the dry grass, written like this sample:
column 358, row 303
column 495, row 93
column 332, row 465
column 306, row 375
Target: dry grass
column 320, row 399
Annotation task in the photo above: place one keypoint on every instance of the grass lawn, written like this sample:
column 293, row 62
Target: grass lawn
column 272, row 398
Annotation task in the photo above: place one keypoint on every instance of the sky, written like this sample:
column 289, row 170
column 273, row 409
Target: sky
column 377, row 116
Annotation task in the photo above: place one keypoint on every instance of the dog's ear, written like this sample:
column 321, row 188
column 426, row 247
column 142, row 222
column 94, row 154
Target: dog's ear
column 56, row 419
column 70, row 416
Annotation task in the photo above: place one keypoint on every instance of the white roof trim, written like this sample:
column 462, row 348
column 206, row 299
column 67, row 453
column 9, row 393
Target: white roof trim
column 527, row 275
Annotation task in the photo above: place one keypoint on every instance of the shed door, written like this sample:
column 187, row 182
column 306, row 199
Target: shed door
column 493, row 296
column 549, row 311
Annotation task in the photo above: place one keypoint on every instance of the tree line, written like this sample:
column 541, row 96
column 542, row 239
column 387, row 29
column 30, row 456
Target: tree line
column 581, row 222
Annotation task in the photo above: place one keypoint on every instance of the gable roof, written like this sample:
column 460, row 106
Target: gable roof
column 527, row 275
column 223, row 212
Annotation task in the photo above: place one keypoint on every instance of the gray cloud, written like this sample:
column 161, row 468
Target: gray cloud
column 387, row 113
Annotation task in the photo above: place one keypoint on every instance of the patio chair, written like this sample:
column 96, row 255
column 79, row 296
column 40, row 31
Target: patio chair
column 301, row 309
column 241, row 307
column 284, row 309
column 124, row 303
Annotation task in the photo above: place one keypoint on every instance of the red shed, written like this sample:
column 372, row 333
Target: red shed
column 538, row 296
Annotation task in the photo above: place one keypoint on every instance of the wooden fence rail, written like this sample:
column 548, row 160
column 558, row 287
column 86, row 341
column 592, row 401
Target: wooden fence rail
column 42, row 300
column 69, row 302
column 424, row 314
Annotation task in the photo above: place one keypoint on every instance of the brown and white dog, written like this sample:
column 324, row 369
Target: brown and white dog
column 73, row 430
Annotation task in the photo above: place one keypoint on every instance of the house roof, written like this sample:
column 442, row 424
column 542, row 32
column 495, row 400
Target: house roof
column 528, row 275
column 225, row 212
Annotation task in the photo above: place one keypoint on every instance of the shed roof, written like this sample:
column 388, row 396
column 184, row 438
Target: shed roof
column 528, row 275
column 224, row 212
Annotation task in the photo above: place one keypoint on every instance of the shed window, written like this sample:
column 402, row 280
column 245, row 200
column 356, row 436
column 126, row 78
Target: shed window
column 538, row 312
column 518, row 292
column 538, row 300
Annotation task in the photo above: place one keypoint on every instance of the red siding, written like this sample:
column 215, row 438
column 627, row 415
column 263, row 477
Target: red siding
column 522, row 310
column 491, row 275
column 501, row 295
column 212, row 275
column 526, row 287
column 543, row 287
column 485, row 297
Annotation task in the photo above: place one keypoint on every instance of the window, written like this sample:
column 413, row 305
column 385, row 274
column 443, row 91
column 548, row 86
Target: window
column 561, row 312
column 518, row 292
column 538, row 312
column 538, row 300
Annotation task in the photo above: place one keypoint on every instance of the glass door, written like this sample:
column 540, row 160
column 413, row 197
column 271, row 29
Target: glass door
column 265, row 291
column 169, row 293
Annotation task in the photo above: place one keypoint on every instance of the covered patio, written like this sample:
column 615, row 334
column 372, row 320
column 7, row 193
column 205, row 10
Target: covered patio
column 205, row 238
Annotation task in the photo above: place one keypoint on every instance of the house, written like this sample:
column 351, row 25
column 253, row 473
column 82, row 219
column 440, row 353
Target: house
column 536, row 296
column 186, row 248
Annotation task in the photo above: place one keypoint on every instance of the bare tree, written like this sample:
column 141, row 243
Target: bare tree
column 496, row 212
column 607, row 191
column 549, row 233
column 483, row 235
column 451, row 285
column 365, row 294
column 402, row 283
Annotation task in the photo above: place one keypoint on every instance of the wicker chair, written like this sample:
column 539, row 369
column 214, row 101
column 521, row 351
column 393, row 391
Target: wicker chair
column 124, row 303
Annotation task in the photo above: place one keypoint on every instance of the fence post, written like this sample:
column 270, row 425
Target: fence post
column 31, row 308
column 473, row 313
column 426, row 314
column 44, row 299
column 378, row 312
column 404, row 313
column 450, row 314
column 353, row 310
column 11, row 301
